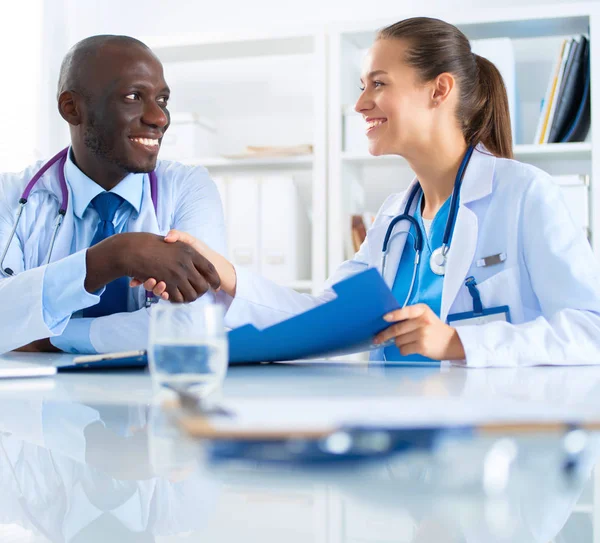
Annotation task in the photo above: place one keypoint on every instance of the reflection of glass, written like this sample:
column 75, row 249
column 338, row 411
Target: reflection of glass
column 171, row 454
column 187, row 346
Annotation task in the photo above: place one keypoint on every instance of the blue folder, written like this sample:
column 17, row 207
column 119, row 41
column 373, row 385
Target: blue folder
column 347, row 323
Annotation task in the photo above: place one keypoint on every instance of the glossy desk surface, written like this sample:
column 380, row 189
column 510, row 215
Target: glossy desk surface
column 88, row 457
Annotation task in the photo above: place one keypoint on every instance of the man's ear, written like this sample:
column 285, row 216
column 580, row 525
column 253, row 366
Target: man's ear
column 69, row 107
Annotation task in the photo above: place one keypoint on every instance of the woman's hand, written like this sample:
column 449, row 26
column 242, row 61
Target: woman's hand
column 224, row 268
column 418, row 330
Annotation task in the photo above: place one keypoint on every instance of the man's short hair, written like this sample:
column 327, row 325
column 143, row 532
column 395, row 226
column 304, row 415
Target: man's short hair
column 73, row 67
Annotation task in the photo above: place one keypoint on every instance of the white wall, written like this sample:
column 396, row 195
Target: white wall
column 67, row 21
column 20, row 43
column 159, row 17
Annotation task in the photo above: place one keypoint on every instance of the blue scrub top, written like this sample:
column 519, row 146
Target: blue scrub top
column 428, row 285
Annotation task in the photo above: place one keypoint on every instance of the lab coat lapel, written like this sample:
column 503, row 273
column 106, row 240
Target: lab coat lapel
column 460, row 256
column 396, row 244
column 477, row 184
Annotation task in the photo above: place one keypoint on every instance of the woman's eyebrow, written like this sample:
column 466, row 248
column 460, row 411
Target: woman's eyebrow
column 373, row 74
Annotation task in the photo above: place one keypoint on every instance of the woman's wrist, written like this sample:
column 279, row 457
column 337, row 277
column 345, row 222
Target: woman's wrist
column 224, row 268
column 455, row 350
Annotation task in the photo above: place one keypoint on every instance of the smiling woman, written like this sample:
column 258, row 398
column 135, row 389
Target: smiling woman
column 20, row 30
column 474, row 285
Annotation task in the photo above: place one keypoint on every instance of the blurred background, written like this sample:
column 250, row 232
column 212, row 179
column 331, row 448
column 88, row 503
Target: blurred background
column 263, row 94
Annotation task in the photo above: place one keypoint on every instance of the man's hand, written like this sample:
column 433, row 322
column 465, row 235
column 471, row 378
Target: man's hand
column 418, row 330
column 224, row 268
column 39, row 346
column 187, row 274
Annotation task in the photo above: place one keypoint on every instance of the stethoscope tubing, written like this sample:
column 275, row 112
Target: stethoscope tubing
column 406, row 216
column 64, row 204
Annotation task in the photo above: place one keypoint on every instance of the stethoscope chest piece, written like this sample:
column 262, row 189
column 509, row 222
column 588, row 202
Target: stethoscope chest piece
column 437, row 261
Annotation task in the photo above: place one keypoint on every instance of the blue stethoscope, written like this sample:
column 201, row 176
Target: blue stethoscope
column 61, row 157
column 437, row 261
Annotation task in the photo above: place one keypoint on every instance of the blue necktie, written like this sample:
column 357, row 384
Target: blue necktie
column 114, row 297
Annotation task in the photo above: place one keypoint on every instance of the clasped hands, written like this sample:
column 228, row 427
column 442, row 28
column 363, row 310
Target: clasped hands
column 415, row 329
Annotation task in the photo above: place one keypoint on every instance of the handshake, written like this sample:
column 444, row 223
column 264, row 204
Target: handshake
column 177, row 267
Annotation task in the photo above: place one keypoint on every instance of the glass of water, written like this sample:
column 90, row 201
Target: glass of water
column 187, row 347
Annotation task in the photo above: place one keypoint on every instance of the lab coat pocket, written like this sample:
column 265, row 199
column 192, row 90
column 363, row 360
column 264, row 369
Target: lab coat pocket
column 502, row 289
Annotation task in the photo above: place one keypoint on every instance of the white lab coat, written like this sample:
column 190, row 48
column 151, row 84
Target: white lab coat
column 187, row 199
column 550, row 279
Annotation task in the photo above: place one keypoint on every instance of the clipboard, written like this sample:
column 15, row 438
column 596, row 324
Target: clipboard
column 126, row 360
column 346, row 444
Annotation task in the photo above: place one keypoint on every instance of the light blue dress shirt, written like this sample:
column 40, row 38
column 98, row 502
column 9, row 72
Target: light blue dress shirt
column 428, row 286
column 76, row 336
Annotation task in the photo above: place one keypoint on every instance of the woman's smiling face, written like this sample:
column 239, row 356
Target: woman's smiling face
column 395, row 103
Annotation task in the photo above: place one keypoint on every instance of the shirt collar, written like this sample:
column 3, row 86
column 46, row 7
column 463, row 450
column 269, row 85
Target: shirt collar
column 84, row 190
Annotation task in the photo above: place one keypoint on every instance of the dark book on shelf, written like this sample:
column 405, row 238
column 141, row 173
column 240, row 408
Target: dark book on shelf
column 568, row 79
column 572, row 119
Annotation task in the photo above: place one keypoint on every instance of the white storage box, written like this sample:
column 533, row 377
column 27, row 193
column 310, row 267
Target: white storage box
column 576, row 192
column 354, row 131
column 189, row 136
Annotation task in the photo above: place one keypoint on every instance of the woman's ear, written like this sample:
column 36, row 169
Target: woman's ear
column 443, row 85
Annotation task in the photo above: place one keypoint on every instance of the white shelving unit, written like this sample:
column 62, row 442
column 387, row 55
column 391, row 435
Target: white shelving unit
column 291, row 86
column 277, row 163
column 259, row 90
column 359, row 182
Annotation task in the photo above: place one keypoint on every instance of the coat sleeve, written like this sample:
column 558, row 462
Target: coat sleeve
column 23, row 314
column 263, row 303
column 565, row 277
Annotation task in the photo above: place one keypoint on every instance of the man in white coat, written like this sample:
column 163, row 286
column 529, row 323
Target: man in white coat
column 113, row 94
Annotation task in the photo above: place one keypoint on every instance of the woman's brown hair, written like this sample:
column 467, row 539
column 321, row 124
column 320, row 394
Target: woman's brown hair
column 436, row 47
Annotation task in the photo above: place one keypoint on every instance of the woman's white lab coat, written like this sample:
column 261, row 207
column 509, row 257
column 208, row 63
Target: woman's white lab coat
column 550, row 278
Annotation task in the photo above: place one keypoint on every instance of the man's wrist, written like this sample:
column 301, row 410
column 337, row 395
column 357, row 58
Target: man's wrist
column 106, row 262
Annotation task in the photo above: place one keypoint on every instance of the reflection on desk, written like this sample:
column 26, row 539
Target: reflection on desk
column 73, row 468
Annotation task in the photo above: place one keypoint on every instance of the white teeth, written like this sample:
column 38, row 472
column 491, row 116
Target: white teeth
column 146, row 141
column 374, row 123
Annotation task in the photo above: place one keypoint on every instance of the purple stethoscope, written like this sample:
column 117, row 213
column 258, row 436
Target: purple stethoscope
column 61, row 157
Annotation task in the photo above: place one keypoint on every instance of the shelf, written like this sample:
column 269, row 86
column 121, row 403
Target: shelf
column 366, row 159
column 192, row 48
column 220, row 163
column 528, row 22
column 558, row 150
column 551, row 150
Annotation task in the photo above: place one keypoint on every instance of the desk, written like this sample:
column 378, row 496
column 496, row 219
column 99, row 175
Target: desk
column 86, row 457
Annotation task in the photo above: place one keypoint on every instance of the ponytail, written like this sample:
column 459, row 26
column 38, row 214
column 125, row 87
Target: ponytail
column 436, row 47
column 490, row 124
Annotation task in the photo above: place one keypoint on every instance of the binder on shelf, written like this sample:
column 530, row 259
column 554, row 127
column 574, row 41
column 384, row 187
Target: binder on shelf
column 565, row 115
column 558, row 84
column 243, row 222
column 569, row 79
column 575, row 191
column 284, row 231
column 545, row 110
column 579, row 125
